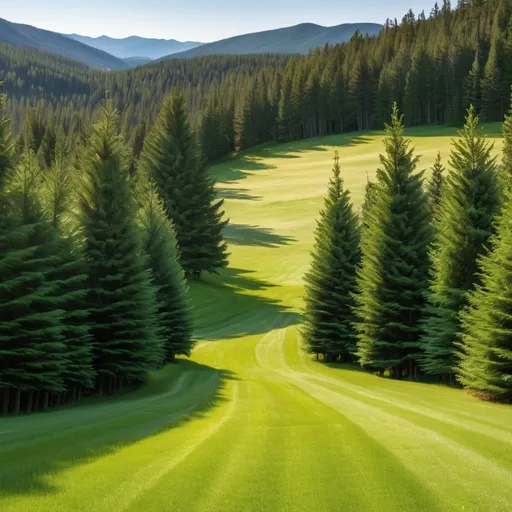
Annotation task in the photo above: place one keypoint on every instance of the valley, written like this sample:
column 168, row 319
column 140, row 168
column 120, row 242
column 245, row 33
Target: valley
column 251, row 418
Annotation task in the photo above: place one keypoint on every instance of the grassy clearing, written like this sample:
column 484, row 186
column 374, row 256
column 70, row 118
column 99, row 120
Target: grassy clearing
column 251, row 423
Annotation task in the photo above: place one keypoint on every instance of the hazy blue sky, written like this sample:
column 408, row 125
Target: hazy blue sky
column 198, row 20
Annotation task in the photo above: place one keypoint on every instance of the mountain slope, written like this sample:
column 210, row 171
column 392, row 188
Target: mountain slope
column 26, row 35
column 297, row 39
column 135, row 46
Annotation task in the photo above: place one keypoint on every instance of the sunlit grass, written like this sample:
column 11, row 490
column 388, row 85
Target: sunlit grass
column 251, row 423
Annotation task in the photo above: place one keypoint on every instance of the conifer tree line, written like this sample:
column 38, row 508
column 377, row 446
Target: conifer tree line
column 93, row 293
column 419, row 285
column 434, row 65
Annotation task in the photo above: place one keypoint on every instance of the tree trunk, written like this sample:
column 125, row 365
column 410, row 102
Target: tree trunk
column 17, row 401
column 5, row 408
column 36, row 400
column 30, row 401
column 101, row 380
column 46, row 397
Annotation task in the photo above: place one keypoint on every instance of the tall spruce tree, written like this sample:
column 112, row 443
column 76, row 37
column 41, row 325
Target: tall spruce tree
column 31, row 340
column 330, row 283
column 435, row 185
column 506, row 163
column 69, row 269
column 6, row 148
column 392, row 279
column 370, row 195
column 159, row 243
column 485, row 366
column 170, row 157
column 122, row 298
column 463, row 226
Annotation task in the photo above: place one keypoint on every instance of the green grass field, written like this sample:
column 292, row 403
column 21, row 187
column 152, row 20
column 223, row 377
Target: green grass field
column 251, row 423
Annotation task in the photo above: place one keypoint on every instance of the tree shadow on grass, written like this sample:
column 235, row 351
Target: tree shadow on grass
column 35, row 448
column 237, row 193
column 327, row 143
column 235, row 304
column 243, row 234
column 236, row 169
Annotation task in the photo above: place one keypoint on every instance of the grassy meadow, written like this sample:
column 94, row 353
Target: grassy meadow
column 250, row 422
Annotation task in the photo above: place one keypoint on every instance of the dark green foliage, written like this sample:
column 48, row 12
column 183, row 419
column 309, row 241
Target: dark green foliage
column 492, row 93
column 32, row 355
column 330, row 283
column 485, row 365
column 464, row 224
column 370, row 197
column 6, row 148
column 122, row 299
column 392, row 279
column 170, row 157
column 69, row 270
column 159, row 243
column 506, row 163
column 435, row 185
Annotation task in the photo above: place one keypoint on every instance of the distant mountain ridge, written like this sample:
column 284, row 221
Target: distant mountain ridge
column 297, row 39
column 26, row 35
column 135, row 46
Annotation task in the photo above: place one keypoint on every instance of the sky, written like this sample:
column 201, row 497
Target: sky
column 196, row 20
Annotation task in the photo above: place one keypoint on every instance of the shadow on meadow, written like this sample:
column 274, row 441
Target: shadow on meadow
column 238, row 167
column 235, row 304
column 237, row 193
column 244, row 234
column 321, row 144
column 34, row 448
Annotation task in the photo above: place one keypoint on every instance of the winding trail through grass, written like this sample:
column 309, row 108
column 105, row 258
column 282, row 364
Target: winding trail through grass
column 252, row 423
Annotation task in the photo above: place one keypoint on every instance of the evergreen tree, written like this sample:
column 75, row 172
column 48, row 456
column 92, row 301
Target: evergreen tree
column 328, row 318
column 122, row 298
column 485, row 366
column 159, row 243
column 170, row 158
column 472, row 91
column 464, row 224
column 392, row 279
column 491, row 87
column 435, row 185
column 370, row 196
column 68, row 270
column 6, row 148
column 506, row 164
column 32, row 355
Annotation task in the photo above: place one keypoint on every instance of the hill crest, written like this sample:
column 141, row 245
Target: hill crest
column 299, row 38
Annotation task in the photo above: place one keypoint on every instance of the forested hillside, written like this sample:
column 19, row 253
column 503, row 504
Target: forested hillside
column 433, row 65
column 32, row 37
column 299, row 39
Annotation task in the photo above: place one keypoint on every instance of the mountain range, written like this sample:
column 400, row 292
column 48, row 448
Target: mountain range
column 135, row 46
column 26, row 35
column 297, row 39
column 116, row 54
